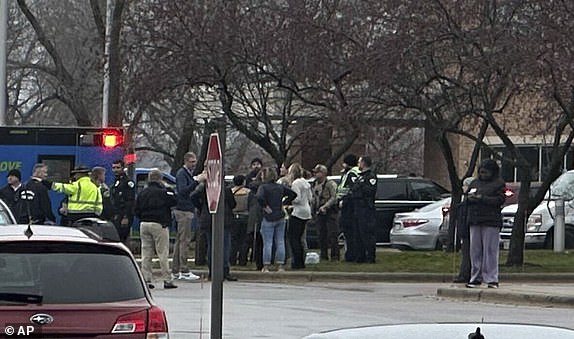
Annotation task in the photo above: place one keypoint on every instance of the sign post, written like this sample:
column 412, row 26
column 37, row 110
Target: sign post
column 216, row 208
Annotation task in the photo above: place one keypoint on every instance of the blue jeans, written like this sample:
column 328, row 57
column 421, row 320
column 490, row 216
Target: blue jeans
column 273, row 233
column 226, row 250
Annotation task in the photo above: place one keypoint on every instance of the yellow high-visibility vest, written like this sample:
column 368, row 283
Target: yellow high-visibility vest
column 83, row 196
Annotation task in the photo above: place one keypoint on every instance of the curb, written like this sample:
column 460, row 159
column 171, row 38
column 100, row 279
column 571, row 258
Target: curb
column 398, row 277
column 506, row 297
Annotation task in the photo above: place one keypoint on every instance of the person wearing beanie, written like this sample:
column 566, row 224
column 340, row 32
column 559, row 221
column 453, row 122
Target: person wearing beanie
column 485, row 197
column 350, row 174
column 9, row 193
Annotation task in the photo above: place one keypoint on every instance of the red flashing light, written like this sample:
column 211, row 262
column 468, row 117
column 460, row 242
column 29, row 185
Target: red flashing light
column 111, row 139
column 130, row 158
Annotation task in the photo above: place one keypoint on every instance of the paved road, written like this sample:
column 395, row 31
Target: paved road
column 278, row 310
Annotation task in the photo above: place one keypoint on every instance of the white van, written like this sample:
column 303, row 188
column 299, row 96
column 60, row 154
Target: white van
column 540, row 224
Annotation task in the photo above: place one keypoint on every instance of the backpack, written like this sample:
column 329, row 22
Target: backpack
column 241, row 195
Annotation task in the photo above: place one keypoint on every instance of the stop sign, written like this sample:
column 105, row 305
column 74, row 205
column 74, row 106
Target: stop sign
column 214, row 172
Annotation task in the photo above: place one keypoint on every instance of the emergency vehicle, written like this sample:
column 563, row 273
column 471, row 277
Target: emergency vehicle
column 61, row 148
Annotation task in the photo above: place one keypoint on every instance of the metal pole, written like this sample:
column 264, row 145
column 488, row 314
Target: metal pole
column 217, row 250
column 108, row 39
column 3, row 54
column 559, row 226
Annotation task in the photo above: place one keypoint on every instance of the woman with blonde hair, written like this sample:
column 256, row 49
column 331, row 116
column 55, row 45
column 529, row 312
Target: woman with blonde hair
column 271, row 197
column 300, row 214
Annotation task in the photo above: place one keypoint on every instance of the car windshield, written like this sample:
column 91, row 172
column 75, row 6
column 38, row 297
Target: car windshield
column 64, row 273
column 563, row 187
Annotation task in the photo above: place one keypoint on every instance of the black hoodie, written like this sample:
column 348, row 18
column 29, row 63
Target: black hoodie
column 486, row 211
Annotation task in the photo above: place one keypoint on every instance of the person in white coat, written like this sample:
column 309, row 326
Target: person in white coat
column 300, row 214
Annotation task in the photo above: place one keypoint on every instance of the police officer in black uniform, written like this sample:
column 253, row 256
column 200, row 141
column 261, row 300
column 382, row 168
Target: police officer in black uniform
column 363, row 196
column 122, row 195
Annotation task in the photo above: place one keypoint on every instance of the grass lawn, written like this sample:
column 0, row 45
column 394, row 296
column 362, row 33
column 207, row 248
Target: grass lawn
column 536, row 261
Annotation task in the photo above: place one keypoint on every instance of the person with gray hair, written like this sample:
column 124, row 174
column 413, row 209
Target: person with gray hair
column 326, row 211
column 35, row 206
column 153, row 208
column 98, row 176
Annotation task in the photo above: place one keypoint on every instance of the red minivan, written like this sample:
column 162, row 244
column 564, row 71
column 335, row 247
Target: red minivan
column 62, row 282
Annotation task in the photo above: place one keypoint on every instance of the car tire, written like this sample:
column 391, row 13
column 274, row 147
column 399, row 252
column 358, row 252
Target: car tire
column 568, row 238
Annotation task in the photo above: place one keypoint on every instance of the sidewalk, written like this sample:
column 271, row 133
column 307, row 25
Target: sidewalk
column 538, row 294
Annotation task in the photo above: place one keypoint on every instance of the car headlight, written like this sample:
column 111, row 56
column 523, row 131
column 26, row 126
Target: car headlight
column 534, row 222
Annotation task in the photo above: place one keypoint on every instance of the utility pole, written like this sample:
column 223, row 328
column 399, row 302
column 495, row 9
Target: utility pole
column 3, row 54
column 107, row 46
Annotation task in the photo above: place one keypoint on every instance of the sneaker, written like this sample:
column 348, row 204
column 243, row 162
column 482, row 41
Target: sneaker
column 473, row 284
column 150, row 285
column 265, row 270
column 189, row 276
column 229, row 277
column 169, row 285
column 492, row 285
column 174, row 276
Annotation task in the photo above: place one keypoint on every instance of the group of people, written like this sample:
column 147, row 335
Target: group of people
column 478, row 223
column 86, row 195
column 266, row 212
column 269, row 224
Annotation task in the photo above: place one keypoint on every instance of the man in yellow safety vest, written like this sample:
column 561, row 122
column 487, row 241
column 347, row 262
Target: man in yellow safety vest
column 84, row 197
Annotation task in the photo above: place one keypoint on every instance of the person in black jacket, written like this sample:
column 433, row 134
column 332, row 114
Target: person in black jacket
column 121, row 196
column 35, row 206
column 485, row 197
column 10, row 193
column 199, row 199
column 363, row 194
column 153, row 208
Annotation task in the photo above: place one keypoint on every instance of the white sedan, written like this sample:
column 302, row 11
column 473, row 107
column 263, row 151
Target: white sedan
column 419, row 229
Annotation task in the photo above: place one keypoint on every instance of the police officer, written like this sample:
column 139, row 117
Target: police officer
column 35, row 206
column 363, row 195
column 122, row 195
column 350, row 174
column 84, row 197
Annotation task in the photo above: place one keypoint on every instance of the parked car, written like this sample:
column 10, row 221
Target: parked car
column 449, row 331
column 395, row 194
column 399, row 194
column 511, row 194
column 418, row 229
column 540, row 225
column 6, row 216
column 69, row 282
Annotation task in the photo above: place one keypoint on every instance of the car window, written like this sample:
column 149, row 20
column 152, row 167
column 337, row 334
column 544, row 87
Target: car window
column 435, row 205
column 4, row 218
column 64, row 273
column 427, row 190
column 391, row 190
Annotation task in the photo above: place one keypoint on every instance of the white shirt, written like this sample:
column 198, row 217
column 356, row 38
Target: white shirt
column 302, row 204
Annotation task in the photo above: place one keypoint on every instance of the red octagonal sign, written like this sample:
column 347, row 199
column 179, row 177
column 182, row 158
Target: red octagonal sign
column 214, row 172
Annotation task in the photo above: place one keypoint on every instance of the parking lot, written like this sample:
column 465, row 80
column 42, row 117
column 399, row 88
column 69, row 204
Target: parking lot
column 269, row 310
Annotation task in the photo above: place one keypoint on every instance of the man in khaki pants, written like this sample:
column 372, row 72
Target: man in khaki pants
column 186, row 183
column 153, row 208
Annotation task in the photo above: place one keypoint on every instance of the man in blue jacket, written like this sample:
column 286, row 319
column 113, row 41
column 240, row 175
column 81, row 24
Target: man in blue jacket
column 186, row 183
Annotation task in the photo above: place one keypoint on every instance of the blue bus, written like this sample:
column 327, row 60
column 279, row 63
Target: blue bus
column 61, row 148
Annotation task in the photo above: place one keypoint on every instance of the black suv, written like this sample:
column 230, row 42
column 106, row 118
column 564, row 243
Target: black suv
column 395, row 194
